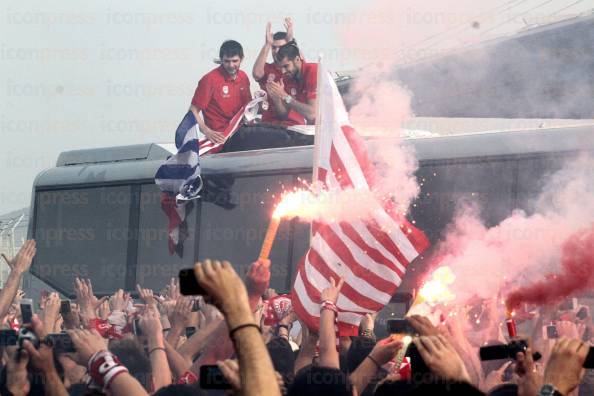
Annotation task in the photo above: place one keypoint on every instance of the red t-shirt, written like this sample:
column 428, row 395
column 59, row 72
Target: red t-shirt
column 220, row 97
column 271, row 73
column 307, row 83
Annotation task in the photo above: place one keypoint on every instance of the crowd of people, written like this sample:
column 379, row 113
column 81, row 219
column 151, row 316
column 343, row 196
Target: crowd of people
column 289, row 82
column 237, row 335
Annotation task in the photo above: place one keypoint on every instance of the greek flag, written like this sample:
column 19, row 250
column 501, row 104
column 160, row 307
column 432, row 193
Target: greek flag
column 179, row 176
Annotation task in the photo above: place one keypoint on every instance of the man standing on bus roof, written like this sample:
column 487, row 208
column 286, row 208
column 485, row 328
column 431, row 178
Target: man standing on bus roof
column 264, row 73
column 305, row 76
column 221, row 93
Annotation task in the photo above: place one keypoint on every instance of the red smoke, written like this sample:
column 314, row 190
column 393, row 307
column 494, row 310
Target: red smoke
column 577, row 265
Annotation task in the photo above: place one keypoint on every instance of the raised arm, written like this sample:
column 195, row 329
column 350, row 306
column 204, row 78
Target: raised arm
column 229, row 293
column 381, row 354
column 18, row 266
column 104, row 367
column 328, row 313
column 150, row 324
column 258, row 69
column 42, row 359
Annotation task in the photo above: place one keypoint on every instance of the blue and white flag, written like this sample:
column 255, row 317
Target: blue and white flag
column 179, row 176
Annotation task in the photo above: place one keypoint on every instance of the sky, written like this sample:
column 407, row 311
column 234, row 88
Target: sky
column 90, row 74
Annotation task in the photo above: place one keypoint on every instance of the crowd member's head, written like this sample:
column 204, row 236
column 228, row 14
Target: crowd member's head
column 279, row 39
column 289, row 60
column 231, row 55
column 322, row 381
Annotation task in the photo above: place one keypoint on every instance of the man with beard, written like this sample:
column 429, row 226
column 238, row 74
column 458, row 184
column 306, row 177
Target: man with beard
column 221, row 93
column 265, row 73
column 305, row 77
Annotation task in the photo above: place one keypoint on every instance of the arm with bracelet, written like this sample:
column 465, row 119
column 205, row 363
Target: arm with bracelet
column 150, row 324
column 105, row 369
column 224, row 286
column 382, row 353
column 328, row 313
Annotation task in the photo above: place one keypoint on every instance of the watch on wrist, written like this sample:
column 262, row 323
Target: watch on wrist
column 288, row 99
column 549, row 390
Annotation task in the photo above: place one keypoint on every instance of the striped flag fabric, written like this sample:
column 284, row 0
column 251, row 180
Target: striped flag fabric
column 179, row 177
column 249, row 112
column 371, row 254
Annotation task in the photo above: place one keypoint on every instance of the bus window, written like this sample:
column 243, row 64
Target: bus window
column 155, row 265
column 82, row 232
column 234, row 216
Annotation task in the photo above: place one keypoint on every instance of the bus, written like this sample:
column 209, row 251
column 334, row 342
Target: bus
column 97, row 214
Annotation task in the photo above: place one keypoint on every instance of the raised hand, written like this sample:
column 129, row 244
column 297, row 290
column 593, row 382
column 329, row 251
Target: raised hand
column 85, row 298
column 423, row 326
column 180, row 316
column 104, row 310
column 87, row 343
column 23, row 259
column 529, row 378
column 42, row 358
column 51, row 311
column 441, row 358
column 150, row 323
column 289, row 29
column 385, row 350
column 258, row 277
column 172, row 292
column 226, row 289
column 147, row 296
column 564, row 369
column 569, row 329
column 332, row 291
column 118, row 301
column 268, row 38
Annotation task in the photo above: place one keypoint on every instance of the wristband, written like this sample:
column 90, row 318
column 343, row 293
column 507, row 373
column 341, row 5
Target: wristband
column 237, row 328
column 187, row 378
column 329, row 305
column 374, row 361
column 103, row 367
column 157, row 349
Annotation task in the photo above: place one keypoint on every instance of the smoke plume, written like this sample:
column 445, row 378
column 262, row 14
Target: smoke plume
column 577, row 274
column 521, row 249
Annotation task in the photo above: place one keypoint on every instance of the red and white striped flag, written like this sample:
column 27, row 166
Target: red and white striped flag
column 372, row 254
column 247, row 113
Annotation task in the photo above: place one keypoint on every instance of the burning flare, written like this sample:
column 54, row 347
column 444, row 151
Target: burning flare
column 436, row 290
column 294, row 203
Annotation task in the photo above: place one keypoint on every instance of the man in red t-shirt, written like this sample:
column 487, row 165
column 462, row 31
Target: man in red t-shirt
column 221, row 93
column 305, row 77
column 264, row 73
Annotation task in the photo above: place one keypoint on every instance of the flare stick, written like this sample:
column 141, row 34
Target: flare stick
column 270, row 236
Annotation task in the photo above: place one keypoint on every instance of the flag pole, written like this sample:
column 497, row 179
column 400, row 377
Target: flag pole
column 316, row 148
